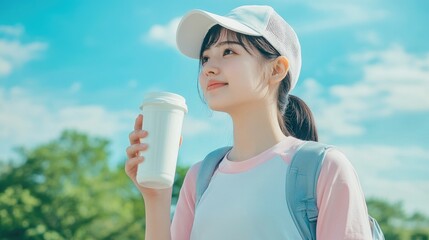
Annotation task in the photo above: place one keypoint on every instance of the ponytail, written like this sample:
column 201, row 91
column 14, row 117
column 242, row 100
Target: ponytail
column 295, row 117
column 299, row 121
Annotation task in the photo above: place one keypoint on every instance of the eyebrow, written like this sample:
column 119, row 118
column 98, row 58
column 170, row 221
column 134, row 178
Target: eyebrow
column 223, row 43
column 227, row 43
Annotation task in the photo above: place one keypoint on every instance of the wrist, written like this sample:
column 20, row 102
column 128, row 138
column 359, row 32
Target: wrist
column 156, row 195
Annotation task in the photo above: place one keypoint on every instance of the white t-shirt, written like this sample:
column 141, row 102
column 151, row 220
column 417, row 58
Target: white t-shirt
column 246, row 200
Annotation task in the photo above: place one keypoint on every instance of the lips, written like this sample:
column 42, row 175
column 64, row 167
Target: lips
column 212, row 84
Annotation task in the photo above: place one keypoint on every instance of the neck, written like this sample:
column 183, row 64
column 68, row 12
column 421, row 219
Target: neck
column 256, row 129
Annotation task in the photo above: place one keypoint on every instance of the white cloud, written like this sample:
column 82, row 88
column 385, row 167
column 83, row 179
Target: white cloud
column 393, row 173
column 93, row 119
column 27, row 119
column 312, row 87
column 393, row 82
column 211, row 123
column 335, row 117
column 164, row 34
column 12, row 31
column 14, row 53
column 193, row 126
column 5, row 67
column 340, row 14
column 399, row 77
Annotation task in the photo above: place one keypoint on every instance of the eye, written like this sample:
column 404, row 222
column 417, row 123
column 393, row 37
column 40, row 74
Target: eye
column 204, row 59
column 228, row 52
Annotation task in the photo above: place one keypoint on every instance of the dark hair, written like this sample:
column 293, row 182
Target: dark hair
column 294, row 116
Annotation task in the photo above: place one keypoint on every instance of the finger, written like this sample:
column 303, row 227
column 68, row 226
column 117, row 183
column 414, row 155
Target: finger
column 132, row 163
column 136, row 135
column 133, row 150
column 138, row 123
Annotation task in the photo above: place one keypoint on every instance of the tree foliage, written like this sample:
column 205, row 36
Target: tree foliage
column 65, row 189
column 396, row 223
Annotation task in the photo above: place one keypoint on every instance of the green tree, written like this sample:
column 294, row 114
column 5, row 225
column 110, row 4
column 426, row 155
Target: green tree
column 395, row 223
column 387, row 214
column 65, row 190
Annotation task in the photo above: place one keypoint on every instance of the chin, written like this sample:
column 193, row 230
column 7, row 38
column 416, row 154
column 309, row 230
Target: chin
column 219, row 106
column 224, row 103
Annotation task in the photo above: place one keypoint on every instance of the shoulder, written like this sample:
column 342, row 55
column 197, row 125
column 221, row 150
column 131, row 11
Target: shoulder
column 333, row 158
column 337, row 172
column 337, row 177
column 342, row 209
column 337, row 162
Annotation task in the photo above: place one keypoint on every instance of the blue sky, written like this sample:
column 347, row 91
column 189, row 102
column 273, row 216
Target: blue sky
column 86, row 65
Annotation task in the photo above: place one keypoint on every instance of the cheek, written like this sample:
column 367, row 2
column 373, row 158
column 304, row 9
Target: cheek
column 250, row 79
column 201, row 79
column 253, row 87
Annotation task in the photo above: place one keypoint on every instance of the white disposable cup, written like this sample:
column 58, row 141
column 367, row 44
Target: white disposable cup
column 163, row 114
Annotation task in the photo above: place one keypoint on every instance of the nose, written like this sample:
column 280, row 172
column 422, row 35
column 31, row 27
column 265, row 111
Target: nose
column 210, row 69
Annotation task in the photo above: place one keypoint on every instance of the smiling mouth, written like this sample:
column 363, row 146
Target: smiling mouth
column 216, row 85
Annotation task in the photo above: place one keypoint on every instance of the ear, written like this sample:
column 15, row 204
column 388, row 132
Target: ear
column 279, row 69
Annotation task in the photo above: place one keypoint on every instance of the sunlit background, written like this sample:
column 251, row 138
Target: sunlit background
column 86, row 65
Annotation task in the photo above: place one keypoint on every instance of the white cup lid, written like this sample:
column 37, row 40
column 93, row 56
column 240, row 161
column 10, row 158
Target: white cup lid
column 165, row 98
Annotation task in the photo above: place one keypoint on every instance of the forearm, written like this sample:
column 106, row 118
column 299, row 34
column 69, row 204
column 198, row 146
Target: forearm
column 158, row 218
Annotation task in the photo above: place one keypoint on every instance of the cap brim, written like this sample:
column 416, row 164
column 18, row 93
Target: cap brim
column 194, row 26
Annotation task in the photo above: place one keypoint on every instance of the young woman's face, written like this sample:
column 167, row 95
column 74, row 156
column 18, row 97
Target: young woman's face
column 237, row 75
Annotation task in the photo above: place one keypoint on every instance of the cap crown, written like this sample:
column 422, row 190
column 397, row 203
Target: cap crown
column 255, row 17
column 270, row 25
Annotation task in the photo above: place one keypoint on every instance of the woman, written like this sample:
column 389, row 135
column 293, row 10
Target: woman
column 250, row 60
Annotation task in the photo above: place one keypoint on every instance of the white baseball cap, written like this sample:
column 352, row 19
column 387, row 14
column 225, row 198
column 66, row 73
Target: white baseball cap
column 253, row 20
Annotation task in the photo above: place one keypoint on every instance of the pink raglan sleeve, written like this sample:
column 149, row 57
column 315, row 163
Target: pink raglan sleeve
column 343, row 212
column 183, row 219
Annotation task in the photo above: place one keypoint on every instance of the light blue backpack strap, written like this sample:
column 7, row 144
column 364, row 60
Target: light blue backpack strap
column 206, row 171
column 301, row 186
column 377, row 234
